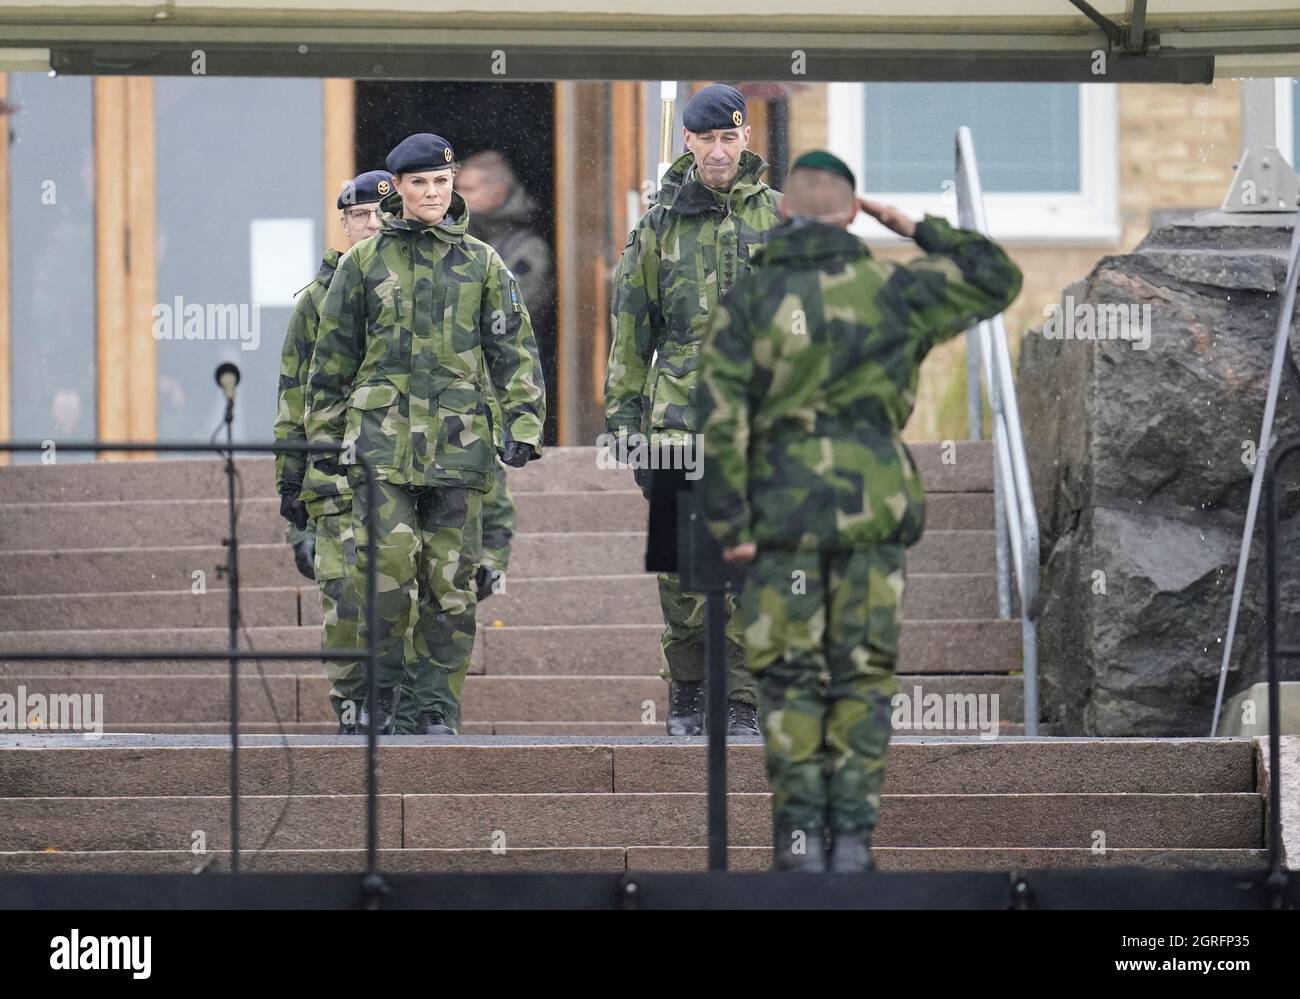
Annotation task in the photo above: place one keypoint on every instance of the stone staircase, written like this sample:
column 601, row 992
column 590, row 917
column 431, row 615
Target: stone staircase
column 106, row 556
column 157, row 803
column 562, row 764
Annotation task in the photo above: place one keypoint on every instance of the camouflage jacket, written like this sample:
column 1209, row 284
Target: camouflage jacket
column 809, row 372
column 684, row 254
column 414, row 319
column 295, row 357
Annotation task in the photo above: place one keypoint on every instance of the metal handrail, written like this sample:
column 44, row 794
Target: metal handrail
column 1015, row 512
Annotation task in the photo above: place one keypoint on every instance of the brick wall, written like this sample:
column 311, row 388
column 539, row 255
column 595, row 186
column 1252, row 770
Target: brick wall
column 1177, row 147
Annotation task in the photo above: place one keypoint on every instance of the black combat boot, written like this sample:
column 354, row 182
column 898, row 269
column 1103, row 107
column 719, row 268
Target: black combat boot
column 686, row 707
column 742, row 719
column 799, row 853
column 432, row 723
column 385, row 714
column 851, row 852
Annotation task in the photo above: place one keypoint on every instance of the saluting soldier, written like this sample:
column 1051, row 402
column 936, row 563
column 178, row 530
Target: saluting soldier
column 807, row 376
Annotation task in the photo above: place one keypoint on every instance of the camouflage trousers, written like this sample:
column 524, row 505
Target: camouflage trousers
column 683, row 640
column 335, row 568
column 429, row 546
column 498, row 522
column 821, row 632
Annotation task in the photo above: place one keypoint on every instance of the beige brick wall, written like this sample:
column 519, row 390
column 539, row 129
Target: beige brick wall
column 1177, row 147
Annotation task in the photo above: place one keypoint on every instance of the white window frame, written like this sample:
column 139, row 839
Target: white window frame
column 1286, row 138
column 1088, row 217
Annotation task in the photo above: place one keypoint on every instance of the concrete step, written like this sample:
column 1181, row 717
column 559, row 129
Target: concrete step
column 284, row 638
column 641, row 702
column 614, row 859
column 260, row 606
column 561, row 469
column 531, row 729
column 956, row 858
column 988, row 820
column 632, row 599
column 1220, row 821
column 926, row 647
column 204, row 522
column 532, row 555
column 63, row 766
column 309, row 822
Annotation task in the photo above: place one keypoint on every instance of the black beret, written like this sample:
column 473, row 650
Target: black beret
column 819, row 159
column 716, row 106
column 366, row 188
column 419, row 152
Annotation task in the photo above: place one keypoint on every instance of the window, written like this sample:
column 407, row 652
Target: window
column 1288, row 119
column 52, row 239
column 1047, row 153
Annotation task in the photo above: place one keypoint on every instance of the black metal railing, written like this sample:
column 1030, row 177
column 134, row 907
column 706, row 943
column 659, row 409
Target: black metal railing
column 373, row 882
column 1277, row 877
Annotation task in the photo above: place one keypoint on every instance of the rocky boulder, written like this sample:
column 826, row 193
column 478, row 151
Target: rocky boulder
column 1142, row 398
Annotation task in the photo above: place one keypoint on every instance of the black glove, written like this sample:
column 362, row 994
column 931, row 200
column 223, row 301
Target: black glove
column 642, row 476
column 483, row 580
column 517, row 454
column 304, row 556
column 292, row 508
column 328, row 464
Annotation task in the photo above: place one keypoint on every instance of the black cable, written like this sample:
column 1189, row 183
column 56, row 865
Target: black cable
column 266, row 687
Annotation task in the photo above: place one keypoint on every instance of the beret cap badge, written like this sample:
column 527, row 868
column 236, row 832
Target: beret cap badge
column 737, row 117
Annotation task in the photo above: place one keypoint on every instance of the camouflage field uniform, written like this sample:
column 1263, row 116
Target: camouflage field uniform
column 684, row 254
column 328, row 500
column 414, row 317
column 813, row 363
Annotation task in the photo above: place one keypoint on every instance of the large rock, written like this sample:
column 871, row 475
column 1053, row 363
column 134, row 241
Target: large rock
column 1136, row 455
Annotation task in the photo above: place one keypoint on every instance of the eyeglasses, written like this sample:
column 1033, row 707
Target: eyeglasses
column 361, row 215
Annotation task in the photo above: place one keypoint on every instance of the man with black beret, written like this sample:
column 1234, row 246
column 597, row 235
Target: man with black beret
column 320, row 512
column 682, row 257
column 417, row 318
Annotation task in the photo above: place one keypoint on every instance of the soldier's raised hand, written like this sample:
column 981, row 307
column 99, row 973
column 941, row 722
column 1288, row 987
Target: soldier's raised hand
column 888, row 216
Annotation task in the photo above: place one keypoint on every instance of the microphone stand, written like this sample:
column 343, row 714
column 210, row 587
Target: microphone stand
column 232, row 572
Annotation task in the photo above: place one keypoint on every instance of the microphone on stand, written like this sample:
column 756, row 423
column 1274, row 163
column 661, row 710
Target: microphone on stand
column 227, row 377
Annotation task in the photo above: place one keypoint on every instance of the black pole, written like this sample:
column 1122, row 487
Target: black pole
column 778, row 141
column 715, row 640
column 373, row 885
column 1277, row 879
column 232, row 572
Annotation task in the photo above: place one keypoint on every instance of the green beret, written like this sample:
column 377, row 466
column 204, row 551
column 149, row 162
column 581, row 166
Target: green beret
column 820, row 159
